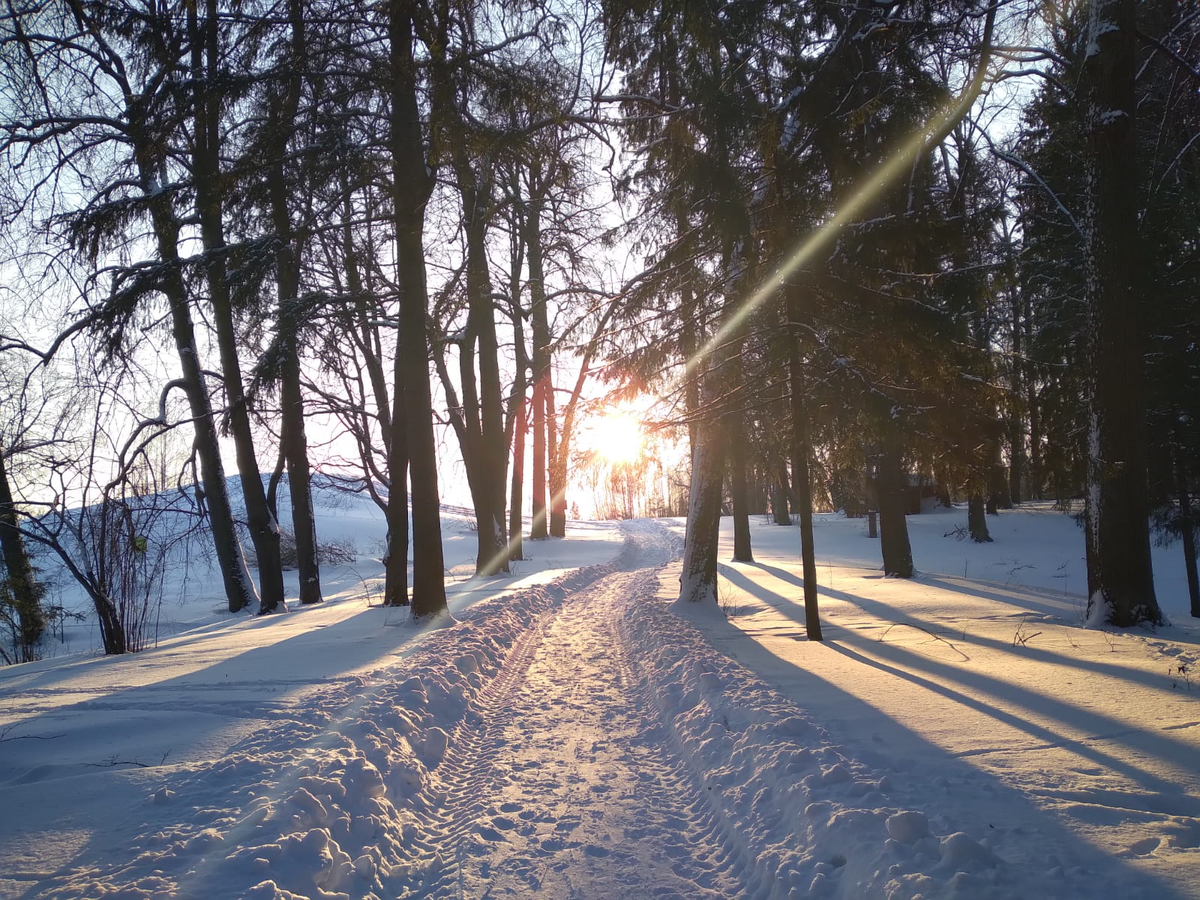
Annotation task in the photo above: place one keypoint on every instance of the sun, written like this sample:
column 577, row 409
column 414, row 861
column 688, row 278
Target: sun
column 618, row 437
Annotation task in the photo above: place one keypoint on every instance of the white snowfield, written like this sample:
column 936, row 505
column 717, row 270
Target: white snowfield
column 573, row 732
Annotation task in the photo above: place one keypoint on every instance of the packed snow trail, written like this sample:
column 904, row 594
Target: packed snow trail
column 562, row 779
column 573, row 739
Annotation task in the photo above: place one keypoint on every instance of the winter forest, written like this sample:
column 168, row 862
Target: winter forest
column 632, row 362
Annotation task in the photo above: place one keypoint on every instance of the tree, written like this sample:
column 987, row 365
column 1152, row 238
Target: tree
column 1120, row 577
column 1070, row 207
column 77, row 102
column 20, row 592
column 282, row 90
column 209, row 87
column 413, row 447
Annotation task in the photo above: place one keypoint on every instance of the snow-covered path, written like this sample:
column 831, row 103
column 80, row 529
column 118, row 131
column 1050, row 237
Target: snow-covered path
column 575, row 737
column 562, row 779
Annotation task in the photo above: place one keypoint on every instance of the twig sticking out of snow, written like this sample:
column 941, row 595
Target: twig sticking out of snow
column 934, row 635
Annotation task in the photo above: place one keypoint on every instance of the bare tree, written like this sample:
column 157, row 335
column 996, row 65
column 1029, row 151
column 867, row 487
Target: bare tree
column 99, row 99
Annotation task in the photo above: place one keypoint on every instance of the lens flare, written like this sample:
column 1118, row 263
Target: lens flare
column 880, row 180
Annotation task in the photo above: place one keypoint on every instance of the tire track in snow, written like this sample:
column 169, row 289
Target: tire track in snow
column 465, row 769
column 461, row 775
column 564, row 779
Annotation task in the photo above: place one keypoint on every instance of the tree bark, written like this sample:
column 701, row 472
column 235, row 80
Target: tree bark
column 516, row 549
column 485, row 454
column 542, row 385
column 698, row 583
column 489, row 456
column 264, row 530
column 1187, row 525
column 999, row 496
column 742, row 551
column 779, row 495
column 801, row 450
column 214, row 494
column 293, row 440
column 1016, row 412
column 1121, row 582
column 977, row 519
column 893, row 526
column 1037, row 486
column 516, row 426
column 22, row 587
column 239, row 588
column 558, row 445
column 395, row 576
column 412, row 183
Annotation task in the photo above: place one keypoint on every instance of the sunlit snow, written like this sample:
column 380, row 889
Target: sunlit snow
column 571, row 731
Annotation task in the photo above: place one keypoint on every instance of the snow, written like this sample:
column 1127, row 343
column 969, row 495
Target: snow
column 571, row 731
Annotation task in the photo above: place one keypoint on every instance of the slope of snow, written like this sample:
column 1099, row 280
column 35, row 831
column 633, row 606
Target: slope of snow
column 569, row 731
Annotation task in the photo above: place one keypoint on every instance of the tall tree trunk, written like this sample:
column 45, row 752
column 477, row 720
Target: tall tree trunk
column 779, row 494
column 1037, row 479
column 742, row 551
column 543, row 387
column 1187, row 525
column 893, row 526
column 490, row 457
column 516, row 549
column 539, row 528
column 22, row 587
column 516, row 426
column 362, row 296
column 1016, row 412
column 801, row 451
column 214, row 493
column 412, row 184
column 293, row 440
column 977, row 519
column 395, row 576
column 734, row 424
column 698, row 583
column 558, row 445
column 998, row 490
column 264, row 531
column 1121, row 586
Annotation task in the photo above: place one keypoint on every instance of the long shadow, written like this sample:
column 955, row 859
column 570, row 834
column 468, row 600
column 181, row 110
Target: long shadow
column 1007, row 808
column 794, row 610
column 308, row 658
column 1085, row 721
column 1058, row 605
column 1082, row 720
column 129, row 730
column 1028, row 596
column 1024, row 596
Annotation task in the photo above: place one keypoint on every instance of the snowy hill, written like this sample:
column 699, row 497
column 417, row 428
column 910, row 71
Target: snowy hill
column 571, row 732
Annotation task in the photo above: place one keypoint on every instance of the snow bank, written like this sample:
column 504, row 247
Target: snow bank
column 819, row 822
column 324, row 804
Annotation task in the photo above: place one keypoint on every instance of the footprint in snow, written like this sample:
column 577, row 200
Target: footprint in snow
column 489, row 834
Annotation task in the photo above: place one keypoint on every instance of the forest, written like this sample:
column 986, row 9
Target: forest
column 850, row 249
